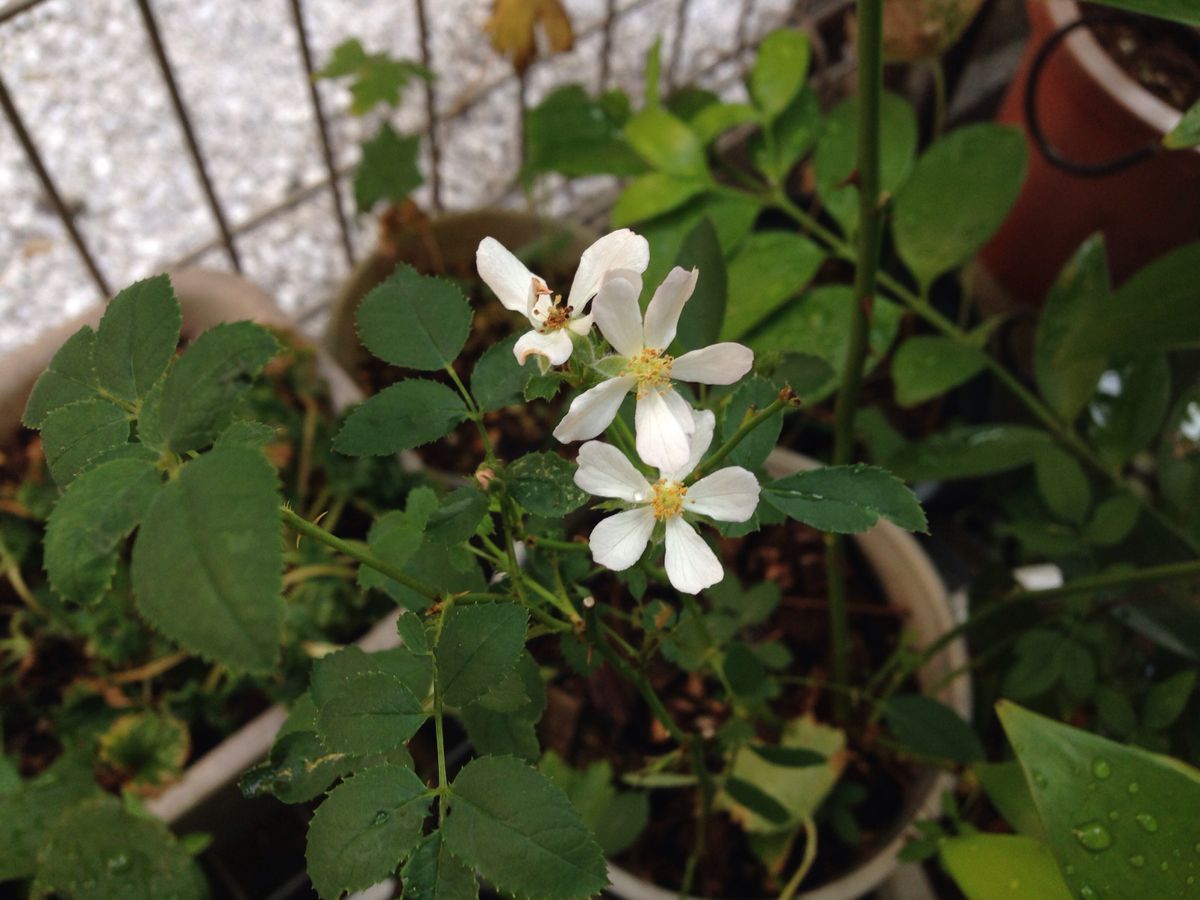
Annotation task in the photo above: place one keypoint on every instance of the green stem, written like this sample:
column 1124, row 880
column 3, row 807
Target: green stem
column 356, row 552
column 806, row 863
column 438, row 726
column 938, row 74
column 534, row 540
column 782, row 401
column 870, row 232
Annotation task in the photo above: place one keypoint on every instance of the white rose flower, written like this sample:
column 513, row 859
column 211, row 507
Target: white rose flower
column 727, row 495
column 663, row 419
column 552, row 319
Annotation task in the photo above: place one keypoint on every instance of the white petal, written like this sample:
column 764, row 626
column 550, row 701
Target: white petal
column 619, row 541
column 618, row 250
column 581, row 325
column 593, row 411
column 662, row 315
column 618, row 315
column 681, row 410
column 691, row 564
column 662, row 441
column 506, row 275
column 704, row 422
column 604, row 471
column 555, row 346
column 719, row 364
column 728, row 495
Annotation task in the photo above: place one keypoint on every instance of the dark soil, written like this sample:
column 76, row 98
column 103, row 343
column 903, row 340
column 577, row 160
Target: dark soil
column 1162, row 57
column 602, row 717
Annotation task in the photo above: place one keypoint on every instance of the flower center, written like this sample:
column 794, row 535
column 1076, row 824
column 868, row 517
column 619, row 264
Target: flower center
column 667, row 499
column 651, row 368
column 548, row 309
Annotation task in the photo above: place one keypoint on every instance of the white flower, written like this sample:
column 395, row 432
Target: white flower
column 522, row 291
column 728, row 495
column 663, row 419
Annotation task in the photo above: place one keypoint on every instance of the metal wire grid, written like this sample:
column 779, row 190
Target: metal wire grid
column 721, row 71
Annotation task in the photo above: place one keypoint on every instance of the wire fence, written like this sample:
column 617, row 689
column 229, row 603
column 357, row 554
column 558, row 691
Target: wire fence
column 184, row 120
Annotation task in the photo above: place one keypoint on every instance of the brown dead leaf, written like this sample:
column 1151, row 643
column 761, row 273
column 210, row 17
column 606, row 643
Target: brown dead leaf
column 513, row 29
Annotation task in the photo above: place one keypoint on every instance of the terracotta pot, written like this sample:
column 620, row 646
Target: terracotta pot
column 446, row 245
column 911, row 584
column 1091, row 111
column 207, row 297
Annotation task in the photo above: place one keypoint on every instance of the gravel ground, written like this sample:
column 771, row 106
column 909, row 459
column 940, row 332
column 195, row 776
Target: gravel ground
column 83, row 76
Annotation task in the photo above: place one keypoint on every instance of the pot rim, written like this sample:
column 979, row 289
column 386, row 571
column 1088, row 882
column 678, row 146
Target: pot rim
column 1155, row 114
column 892, row 553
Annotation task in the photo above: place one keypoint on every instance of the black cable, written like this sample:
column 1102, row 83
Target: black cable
column 1052, row 154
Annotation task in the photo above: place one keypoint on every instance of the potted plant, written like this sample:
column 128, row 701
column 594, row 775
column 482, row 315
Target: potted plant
column 1100, row 95
column 129, row 708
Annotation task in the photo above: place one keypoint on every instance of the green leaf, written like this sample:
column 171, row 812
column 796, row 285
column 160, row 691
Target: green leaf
column 1005, row 786
column 799, row 790
column 1078, row 668
column 243, row 433
column 717, row 118
column 1079, row 781
column 960, row 191
column 1067, row 374
column 615, row 818
column 27, row 813
column 1154, row 311
column 700, row 321
column 70, row 378
column 574, row 135
column 846, row 499
column 510, row 732
column 930, row 728
column 1063, row 484
column 1112, row 521
column 667, row 144
column 100, row 850
column 204, row 386
column 789, row 757
column 498, row 380
column 834, row 160
column 751, row 395
column 1187, row 132
column 365, row 828
column 1166, row 700
column 414, row 321
column 793, row 133
column 96, row 513
column 400, row 417
column 137, row 338
column 733, row 217
column 926, row 367
column 433, row 873
column 371, row 712
column 1115, row 711
column 147, row 747
column 1001, row 866
column 968, row 452
column 521, row 833
column 299, row 769
column 1129, row 406
column 818, row 324
column 770, row 268
column 377, row 77
column 458, row 515
column 479, row 646
column 745, row 673
column 757, row 801
column 653, row 195
column 544, row 483
column 75, row 437
column 388, row 169
column 1176, row 10
column 208, row 560
column 779, row 71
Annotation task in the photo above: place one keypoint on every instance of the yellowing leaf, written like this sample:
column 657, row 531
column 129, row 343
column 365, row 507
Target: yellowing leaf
column 513, row 29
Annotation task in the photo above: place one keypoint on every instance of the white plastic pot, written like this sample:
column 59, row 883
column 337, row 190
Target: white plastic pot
column 912, row 585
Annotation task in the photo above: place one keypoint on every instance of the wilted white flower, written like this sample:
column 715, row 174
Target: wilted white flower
column 553, row 319
column 663, row 419
column 728, row 495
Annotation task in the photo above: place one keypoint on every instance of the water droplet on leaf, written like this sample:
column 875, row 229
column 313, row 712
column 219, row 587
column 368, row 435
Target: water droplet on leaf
column 1093, row 836
column 1147, row 821
column 1101, row 769
column 1137, row 860
column 382, row 816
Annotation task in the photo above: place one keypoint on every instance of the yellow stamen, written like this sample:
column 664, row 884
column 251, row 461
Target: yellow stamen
column 651, row 368
column 667, row 499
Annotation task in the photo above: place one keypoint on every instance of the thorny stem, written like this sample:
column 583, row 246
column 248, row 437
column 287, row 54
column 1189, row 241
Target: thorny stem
column 356, row 552
column 870, row 232
column 784, row 400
